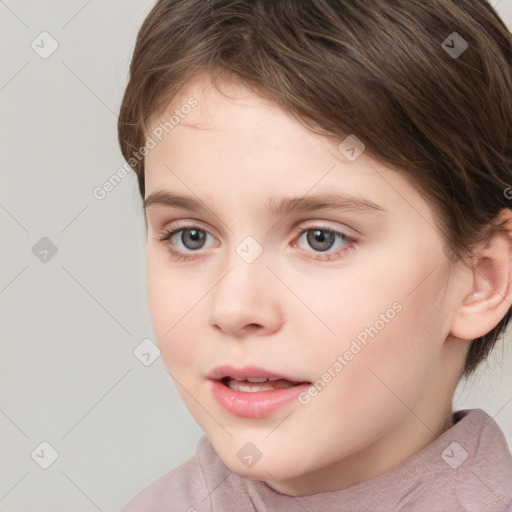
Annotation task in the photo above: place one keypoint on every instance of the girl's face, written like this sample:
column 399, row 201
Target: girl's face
column 354, row 300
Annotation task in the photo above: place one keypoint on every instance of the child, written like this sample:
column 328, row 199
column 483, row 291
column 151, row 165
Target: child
column 344, row 171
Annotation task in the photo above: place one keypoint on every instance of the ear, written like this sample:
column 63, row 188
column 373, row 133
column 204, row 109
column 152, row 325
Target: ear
column 490, row 291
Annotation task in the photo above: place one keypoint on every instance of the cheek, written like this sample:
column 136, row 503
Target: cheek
column 173, row 305
column 389, row 326
column 395, row 364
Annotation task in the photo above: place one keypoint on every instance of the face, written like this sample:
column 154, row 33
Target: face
column 353, row 301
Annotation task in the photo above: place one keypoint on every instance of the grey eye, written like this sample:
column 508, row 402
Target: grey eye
column 192, row 238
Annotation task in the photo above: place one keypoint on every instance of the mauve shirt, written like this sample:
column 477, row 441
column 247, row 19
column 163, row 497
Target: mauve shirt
column 468, row 468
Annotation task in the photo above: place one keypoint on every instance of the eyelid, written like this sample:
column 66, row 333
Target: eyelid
column 179, row 255
column 309, row 224
column 323, row 224
column 177, row 226
column 184, row 224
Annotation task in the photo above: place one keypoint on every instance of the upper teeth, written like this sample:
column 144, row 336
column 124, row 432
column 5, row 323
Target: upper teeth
column 252, row 385
column 254, row 379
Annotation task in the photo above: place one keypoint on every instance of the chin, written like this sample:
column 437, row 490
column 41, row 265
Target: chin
column 264, row 469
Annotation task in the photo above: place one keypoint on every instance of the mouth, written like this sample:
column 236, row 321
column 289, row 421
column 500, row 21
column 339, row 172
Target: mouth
column 252, row 391
column 255, row 384
column 252, row 379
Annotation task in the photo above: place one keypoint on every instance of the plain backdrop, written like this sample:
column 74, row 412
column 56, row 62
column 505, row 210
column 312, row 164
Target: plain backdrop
column 74, row 396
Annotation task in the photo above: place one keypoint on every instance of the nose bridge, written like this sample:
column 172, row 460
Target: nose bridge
column 240, row 296
column 244, row 271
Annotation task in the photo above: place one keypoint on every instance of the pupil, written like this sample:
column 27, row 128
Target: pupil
column 320, row 239
column 197, row 237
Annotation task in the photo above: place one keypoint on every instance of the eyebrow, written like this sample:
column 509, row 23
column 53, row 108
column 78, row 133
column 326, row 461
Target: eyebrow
column 275, row 206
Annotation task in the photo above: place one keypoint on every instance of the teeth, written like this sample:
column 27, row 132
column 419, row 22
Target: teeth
column 253, row 379
column 279, row 384
column 250, row 389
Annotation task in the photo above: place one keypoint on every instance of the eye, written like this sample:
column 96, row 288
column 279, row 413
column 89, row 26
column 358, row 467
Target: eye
column 322, row 238
column 191, row 237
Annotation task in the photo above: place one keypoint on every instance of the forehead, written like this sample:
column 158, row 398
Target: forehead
column 230, row 128
column 238, row 120
column 214, row 96
column 234, row 142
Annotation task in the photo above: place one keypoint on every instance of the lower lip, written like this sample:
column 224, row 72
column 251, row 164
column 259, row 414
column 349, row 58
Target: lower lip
column 254, row 405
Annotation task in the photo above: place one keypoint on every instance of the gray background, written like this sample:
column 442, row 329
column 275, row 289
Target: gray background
column 70, row 321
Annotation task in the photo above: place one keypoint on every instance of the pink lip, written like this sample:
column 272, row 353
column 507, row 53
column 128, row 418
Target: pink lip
column 248, row 371
column 252, row 405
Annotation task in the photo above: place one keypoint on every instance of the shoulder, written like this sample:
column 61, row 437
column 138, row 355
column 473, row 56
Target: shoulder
column 183, row 489
column 482, row 461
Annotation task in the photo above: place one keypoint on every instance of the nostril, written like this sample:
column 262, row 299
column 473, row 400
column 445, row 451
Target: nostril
column 251, row 327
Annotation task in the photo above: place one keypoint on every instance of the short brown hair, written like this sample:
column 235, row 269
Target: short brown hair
column 384, row 70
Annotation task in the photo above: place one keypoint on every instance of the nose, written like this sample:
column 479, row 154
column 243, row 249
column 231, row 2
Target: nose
column 245, row 299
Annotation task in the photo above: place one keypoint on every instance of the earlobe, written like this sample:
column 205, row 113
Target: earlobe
column 490, row 294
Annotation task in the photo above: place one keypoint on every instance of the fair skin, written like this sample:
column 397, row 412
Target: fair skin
column 293, row 311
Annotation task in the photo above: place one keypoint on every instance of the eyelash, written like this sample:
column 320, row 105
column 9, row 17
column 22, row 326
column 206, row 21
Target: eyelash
column 179, row 256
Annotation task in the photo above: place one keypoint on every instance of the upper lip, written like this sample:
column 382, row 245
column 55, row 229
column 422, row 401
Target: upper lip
column 220, row 372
